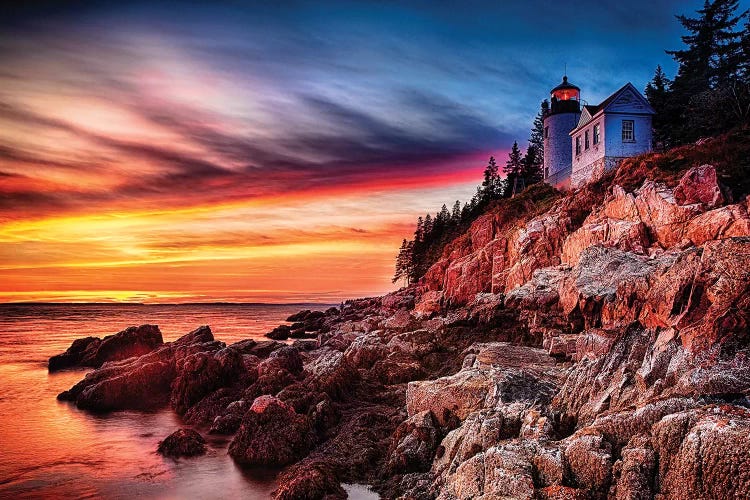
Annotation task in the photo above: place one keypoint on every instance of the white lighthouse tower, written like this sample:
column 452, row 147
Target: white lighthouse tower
column 563, row 115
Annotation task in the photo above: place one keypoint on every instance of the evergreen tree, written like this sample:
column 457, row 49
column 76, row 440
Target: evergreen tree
column 404, row 262
column 491, row 182
column 531, row 168
column 708, row 71
column 419, row 232
column 456, row 213
column 513, row 171
column 537, row 134
column 428, row 226
column 465, row 212
column 658, row 95
column 445, row 215
column 744, row 66
column 712, row 46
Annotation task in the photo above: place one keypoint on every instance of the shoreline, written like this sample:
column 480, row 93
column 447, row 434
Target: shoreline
column 570, row 348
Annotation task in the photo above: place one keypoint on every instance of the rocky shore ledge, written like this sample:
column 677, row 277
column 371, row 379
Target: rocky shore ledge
column 589, row 345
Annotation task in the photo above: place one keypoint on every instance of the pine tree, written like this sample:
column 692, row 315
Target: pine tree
column 744, row 66
column 456, row 213
column 531, row 170
column 537, row 133
column 658, row 95
column 512, row 170
column 419, row 232
column 708, row 71
column 403, row 263
column 465, row 212
column 712, row 46
column 445, row 215
column 428, row 226
column 491, row 181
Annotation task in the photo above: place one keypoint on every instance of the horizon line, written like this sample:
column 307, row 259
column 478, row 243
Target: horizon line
column 38, row 303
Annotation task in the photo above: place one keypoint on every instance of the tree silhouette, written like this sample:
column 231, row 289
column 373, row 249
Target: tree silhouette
column 492, row 183
column 657, row 93
column 513, row 171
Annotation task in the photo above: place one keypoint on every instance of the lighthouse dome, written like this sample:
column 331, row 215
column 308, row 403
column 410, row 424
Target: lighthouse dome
column 566, row 91
column 565, row 98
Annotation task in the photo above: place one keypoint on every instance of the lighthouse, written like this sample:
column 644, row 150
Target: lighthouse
column 563, row 115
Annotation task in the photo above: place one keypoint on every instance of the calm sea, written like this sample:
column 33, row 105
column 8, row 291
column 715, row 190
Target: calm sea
column 52, row 449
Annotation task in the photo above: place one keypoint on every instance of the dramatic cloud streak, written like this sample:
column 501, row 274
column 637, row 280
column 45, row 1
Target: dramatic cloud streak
column 246, row 152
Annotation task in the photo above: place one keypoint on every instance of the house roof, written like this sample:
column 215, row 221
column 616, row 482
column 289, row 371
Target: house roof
column 591, row 112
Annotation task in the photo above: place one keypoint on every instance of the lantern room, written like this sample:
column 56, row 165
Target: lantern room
column 565, row 98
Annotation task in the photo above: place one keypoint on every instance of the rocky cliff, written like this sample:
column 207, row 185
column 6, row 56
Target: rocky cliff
column 588, row 345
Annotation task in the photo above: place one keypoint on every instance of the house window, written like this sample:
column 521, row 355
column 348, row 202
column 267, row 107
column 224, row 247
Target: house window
column 586, row 138
column 628, row 131
column 596, row 134
column 546, row 132
column 578, row 145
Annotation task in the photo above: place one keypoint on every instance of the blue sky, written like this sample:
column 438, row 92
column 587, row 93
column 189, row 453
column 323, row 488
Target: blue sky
column 427, row 67
column 272, row 150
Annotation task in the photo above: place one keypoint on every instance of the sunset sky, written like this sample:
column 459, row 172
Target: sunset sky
column 249, row 151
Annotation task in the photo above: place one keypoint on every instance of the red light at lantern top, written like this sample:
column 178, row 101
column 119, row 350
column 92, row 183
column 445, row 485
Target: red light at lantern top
column 566, row 91
column 565, row 98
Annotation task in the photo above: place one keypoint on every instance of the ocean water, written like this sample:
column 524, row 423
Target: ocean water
column 52, row 449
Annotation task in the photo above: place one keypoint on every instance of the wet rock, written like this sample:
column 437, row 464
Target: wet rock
column 244, row 346
column 324, row 416
column 201, row 373
column 314, row 482
column 302, row 333
column 271, row 434
column 183, row 443
column 80, row 350
column 230, row 419
column 200, row 335
column 305, row 345
column 210, row 407
column 263, row 348
column 135, row 383
column 285, row 358
column 143, row 382
column 93, row 352
column 300, row 316
column 281, row 332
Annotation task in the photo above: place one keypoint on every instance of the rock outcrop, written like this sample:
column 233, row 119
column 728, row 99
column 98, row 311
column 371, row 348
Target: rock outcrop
column 94, row 352
column 183, row 443
column 272, row 434
column 588, row 345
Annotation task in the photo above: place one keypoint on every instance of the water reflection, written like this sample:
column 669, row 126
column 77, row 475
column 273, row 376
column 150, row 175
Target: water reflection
column 53, row 449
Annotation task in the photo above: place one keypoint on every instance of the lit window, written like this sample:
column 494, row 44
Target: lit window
column 628, row 131
column 596, row 134
column 586, row 138
column 578, row 145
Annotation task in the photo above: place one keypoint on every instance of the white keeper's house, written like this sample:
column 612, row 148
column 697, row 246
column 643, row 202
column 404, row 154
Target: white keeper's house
column 581, row 142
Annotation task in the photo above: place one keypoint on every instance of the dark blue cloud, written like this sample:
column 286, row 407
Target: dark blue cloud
column 356, row 88
column 466, row 51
